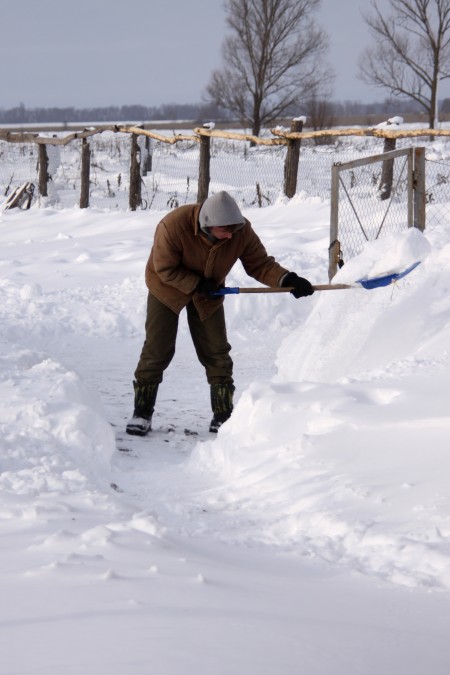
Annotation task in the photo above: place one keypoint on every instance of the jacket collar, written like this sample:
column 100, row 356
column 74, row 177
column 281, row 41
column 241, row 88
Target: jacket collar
column 196, row 212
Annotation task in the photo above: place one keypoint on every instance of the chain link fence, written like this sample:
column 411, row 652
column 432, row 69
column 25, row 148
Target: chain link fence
column 253, row 175
column 371, row 197
column 438, row 190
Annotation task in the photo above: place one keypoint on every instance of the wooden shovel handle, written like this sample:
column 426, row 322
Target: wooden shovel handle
column 287, row 289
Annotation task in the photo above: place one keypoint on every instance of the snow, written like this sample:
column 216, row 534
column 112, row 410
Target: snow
column 396, row 120
column 312, row 535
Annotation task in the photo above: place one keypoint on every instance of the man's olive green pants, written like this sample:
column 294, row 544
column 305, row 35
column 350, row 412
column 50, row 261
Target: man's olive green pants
column 209, row 338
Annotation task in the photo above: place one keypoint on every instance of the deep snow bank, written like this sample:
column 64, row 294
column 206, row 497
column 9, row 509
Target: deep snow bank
column 55, row 439
column 343, row 455
column 350, row 331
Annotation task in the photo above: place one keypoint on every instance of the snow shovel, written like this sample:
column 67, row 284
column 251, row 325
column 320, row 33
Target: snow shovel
column 368, row 284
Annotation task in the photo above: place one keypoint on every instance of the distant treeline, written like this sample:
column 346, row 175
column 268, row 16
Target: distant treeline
column 125, row 113
column 190, row 112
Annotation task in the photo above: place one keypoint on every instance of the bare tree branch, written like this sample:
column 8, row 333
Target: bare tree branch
column 412, row 50
column 273, row 58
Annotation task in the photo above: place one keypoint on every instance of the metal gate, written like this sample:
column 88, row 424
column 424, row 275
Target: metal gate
column 373, row 196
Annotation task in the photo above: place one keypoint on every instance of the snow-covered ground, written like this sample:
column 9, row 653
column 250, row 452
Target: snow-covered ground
column 312, row 535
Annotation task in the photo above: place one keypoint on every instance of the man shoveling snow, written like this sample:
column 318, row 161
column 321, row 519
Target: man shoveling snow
column 195, row 247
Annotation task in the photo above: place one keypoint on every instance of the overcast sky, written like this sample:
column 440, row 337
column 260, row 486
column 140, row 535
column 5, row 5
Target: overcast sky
column 91, row 53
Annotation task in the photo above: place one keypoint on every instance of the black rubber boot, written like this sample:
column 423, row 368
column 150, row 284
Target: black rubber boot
column 144, row 403
column 221, row 404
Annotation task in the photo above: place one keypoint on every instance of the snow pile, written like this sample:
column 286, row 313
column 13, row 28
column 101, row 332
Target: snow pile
column 55, row 438
column 350, row 331
column 344, row 456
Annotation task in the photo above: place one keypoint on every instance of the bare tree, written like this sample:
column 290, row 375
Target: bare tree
column 412, row 51
column 272, row 59
column 320, row 113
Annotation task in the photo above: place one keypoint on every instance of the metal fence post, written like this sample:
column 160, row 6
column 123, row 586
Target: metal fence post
column 334, row 250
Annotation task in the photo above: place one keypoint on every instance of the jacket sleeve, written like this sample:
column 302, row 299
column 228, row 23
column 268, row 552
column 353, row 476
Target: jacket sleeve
column 167, row 257
column 258, row 264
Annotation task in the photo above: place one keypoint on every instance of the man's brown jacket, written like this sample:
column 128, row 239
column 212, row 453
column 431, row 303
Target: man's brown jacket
column 182, row 254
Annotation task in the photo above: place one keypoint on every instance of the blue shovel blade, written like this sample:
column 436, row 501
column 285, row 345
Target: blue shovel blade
column 388, row 279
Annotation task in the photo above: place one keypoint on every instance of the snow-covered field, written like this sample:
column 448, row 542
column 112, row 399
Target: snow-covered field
column 312, row 535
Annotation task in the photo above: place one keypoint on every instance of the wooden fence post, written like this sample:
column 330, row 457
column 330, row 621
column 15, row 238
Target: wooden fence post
column 204, row 168
column 419, row 188
column 292, row 160
column 43, row 170
column 387, row 170
column 85, row 174
column 146, row 160
column 135, row 198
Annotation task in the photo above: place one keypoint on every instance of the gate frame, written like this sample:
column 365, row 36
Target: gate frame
column 415, row 201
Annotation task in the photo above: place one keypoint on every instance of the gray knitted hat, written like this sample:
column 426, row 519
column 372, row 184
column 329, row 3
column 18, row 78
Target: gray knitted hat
column 220, row 210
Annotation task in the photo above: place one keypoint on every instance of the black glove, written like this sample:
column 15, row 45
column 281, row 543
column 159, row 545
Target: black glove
column 206, row 286
column 301, row 287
